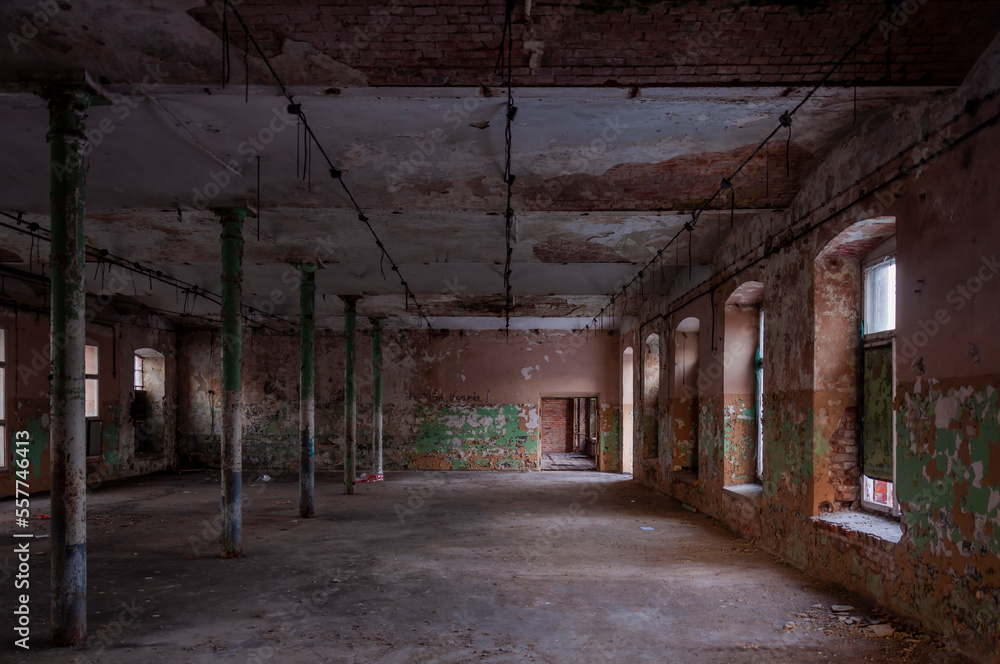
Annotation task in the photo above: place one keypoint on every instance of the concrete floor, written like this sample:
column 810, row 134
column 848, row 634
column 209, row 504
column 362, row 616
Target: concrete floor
column 440, row 567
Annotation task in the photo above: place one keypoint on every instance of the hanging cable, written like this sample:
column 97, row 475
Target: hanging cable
column 727, row 184
column 505, row 64
column 784, row 121
column 246, row 68
column 226, row 65
column 105, row 258
column 258, row 198
column 828, row 212
column 313, row 142
column 767, row 172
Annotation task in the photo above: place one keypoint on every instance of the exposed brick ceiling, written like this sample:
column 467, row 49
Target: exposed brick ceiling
column 626, row 42
column 607, row 172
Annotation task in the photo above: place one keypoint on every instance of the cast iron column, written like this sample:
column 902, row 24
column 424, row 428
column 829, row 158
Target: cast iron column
column 377, row 393
column 350, row 396
column 67, row 418
column 232, row 380
column 307, row 388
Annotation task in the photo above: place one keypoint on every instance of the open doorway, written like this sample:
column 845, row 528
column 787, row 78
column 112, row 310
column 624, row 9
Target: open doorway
column 569, row 433
column 627, row 407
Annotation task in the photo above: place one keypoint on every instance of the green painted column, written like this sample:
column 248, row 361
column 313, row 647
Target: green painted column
column 377, row 393
column 307, row 388
column 67, row 415
column 350, row 396
column 231, row 459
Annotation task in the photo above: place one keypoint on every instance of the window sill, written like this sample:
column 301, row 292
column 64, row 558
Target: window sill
column 852, row 524
column 752, row 492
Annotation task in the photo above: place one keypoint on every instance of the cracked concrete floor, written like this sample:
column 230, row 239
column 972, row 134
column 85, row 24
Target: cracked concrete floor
column 439, row 567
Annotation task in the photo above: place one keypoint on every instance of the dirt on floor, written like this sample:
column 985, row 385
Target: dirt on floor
column 564, row 567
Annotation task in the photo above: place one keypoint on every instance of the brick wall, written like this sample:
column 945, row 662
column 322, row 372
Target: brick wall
column 615, row 42
column 845, row 464
column 557, row 425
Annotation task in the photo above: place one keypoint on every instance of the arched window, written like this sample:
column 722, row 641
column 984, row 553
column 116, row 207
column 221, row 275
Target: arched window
column 149, row 377
column 854, row 370
column 685, row 395
column 650, row 396
column 628, row 378
column 743, row 381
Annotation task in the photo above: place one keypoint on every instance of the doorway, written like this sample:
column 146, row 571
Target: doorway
column 627, row 406
column 569, row 433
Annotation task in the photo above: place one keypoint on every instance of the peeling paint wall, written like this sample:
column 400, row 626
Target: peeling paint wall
column 944, row 570
column 27, row 393
column 460, row 400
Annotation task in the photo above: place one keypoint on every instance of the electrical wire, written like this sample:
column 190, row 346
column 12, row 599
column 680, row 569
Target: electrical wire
column 312, row 141
column 785, row 121
column 505, row 62
column 103, row 256
column 950, row 144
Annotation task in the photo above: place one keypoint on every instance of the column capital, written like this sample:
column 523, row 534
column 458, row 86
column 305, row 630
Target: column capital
column 230, row 213
column 306, row 267
column 70, row 87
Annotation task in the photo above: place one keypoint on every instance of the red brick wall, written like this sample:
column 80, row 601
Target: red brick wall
column 557, row 425
column 845, row 463
column 616, row 42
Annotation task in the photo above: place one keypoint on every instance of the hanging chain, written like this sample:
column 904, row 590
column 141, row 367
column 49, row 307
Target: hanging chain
column 506, row 69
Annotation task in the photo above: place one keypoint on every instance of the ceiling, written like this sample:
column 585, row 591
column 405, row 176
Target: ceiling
column 606, row 173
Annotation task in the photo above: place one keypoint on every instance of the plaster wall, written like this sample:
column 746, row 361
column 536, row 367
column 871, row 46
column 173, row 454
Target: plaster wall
column 942, row 566
column 453, row 399
column 27, row 393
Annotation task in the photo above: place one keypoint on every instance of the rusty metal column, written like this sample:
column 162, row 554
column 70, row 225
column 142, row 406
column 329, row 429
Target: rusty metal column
column 231, row 459
column 350, row 396
column 307, row 388
column 67, row 404
column 377, row 394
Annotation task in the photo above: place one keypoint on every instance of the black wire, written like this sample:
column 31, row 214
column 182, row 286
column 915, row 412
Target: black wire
column 226, row 66
column 258, row 198
column 767, row 171
column 246, row 68
column 784, row 121
column 104, row 257
column 901, row 174
column 507, row 48
column 334, row 171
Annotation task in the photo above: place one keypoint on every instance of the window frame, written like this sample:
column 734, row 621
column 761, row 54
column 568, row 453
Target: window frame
column 87, row 377
column 873, row 340
column 758, row 372
column 138, row 378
